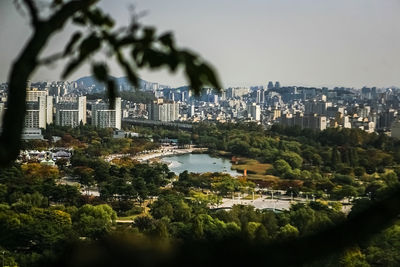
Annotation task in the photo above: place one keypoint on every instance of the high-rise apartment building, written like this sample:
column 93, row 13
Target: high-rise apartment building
column 312, row 121
column 39, row 112
column 32, row 94
column 163, row 110
column 254, row 111
column 71, row 112
column 316, row 107
column 104, row 117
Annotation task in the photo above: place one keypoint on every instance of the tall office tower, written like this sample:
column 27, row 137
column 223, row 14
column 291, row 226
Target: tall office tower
column 270, row 85
column 254, row 111
column 172, row 96
column 104, row 117
column 277, row 85
column 214, row 99
column 71, row 112
column 163, row 110
column 223, row 95
column 260, row 97
column 385, row 120
column 39, row 113
column 374, row 95
column 191, row 111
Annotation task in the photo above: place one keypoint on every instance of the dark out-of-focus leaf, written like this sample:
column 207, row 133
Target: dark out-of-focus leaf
column 87, row 47
column 108, row 21
column 209, row 76
column 74, row 39
column 154, row 59
column 148, row 34
column 71, row 66
column 130, row 73
column 97, row 17
column 100, row 71
column 79, row 20
column 167, row 40
column 136, row 51
column 57, row 3
column 173, row 60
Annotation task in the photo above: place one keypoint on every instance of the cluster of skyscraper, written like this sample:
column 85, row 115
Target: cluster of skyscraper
column 65, row 104
column 369, row 109
column 52, row 103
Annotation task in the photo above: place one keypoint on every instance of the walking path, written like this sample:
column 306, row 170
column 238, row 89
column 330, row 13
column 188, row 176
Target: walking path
column 259, row 203
column 153, row 154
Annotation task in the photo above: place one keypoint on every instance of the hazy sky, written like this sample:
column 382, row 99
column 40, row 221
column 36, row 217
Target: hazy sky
column 298, row 42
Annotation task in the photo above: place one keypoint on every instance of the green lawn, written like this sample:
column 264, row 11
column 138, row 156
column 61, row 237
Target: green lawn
column 252, row 166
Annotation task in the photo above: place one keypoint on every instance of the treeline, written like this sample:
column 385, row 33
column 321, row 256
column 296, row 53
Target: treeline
column 340, row 162
column 45, row 221
column 38, row 222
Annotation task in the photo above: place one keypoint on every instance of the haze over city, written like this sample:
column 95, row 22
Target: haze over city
column 311, row 43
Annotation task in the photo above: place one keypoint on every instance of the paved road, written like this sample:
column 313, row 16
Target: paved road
column 265, row 202
column 259, row 203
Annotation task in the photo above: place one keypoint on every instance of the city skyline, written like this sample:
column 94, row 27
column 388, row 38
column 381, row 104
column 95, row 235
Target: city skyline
column 343, row 43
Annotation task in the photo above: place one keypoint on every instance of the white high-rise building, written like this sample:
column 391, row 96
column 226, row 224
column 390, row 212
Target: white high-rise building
column 260, row 97
column 39, row 112
column 104, row 117
column 254, row 111
column 191, row 110
column 71, row 112
column 32, row 94
column 163, row 110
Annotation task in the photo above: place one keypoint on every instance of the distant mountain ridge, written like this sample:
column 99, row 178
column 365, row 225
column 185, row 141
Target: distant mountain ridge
column 123, row 84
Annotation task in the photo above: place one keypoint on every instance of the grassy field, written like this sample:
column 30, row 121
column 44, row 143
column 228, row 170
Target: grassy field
column 129, row 218
column 257, row 172
column 252, row 166
column 146, row 212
